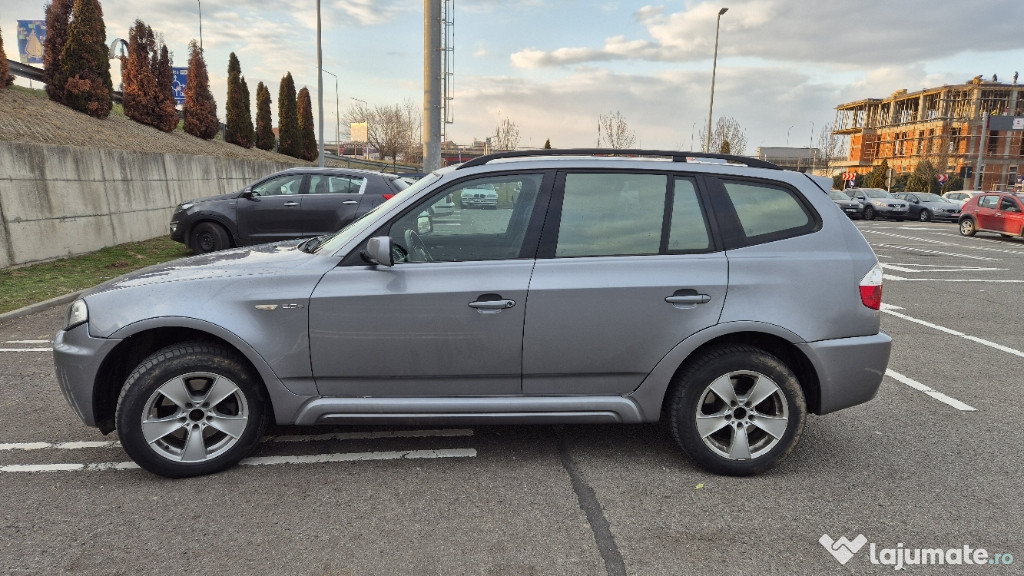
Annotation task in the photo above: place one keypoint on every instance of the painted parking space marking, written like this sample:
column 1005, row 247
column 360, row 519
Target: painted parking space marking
column 949, row 400
column 892, row 310
column 934, row 252
column 921, row 268
column 260, row 460
column 26, row 346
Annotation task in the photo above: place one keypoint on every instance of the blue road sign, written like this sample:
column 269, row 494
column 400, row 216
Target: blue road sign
column 180, row 80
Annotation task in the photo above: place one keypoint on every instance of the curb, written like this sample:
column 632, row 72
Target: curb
column 40, row 306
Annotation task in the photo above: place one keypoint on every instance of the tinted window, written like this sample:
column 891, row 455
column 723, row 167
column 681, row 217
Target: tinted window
column 1008, row 205
column 612, row 214
column 441, row 230
column 324, row 184
column 280, row 186
column 765, row 210
column 689, row 231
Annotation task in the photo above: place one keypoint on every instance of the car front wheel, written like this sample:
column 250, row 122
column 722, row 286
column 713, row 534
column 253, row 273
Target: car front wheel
column 191, row 409
column 208, row 237
column 967, row 227
column 869, row 213
column 925, row 216
column 737, row 410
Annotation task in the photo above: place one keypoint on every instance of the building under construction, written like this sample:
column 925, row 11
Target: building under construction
column 956, row 128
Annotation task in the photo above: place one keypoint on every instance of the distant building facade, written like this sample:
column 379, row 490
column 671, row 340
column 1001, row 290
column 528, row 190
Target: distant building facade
column 957, row 128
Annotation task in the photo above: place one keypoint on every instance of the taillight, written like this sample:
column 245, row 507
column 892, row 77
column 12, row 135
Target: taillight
column 388, row 197
column 871, row 288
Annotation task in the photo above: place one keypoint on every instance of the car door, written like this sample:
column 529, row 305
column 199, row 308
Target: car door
column 447, row 319
column 1009, row 215
column 332, row 201
column 271, row 211
column 988, row 205
column 627, row 270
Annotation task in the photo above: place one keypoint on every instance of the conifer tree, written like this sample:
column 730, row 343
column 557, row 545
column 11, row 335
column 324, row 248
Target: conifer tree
column 140, row 86
column 58, row 16
column 238, row 115
column 166, row 113
column 264, row 123
column 85, row 66
column 200, row 109
column 288, row 135
column 310, row 150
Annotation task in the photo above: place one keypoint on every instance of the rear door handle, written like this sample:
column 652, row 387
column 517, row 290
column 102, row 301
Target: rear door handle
column 688, row 298
column 351, row 202
column 493, row 302
column 291, row 203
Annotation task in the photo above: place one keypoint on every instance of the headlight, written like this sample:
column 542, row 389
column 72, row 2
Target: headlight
column 78, row 313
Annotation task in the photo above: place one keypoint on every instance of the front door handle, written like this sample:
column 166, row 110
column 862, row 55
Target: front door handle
column 351, row 202
column 495, row 304
column 291, row 203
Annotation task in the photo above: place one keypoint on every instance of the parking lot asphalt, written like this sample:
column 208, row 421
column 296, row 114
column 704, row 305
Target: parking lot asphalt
column 933, row 462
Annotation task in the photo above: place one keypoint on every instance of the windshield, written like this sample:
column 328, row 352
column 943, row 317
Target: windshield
column 876, row 194
column 837, row 195
column 931, row 198
column 341, row 237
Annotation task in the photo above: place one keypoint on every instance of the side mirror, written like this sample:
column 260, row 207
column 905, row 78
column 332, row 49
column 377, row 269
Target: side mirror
column 378, row 251
column 248, row 195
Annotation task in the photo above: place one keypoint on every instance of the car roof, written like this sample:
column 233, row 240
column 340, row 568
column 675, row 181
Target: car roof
column 334, row 170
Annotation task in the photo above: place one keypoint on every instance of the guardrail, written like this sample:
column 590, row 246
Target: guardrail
column 33, row 73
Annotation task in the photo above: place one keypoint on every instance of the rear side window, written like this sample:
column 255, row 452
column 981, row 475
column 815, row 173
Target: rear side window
column 324, row 184
column 765, row 212
column 630, row 214
column 988, row 201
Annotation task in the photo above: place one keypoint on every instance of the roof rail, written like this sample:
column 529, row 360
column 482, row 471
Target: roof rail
column 675, row 155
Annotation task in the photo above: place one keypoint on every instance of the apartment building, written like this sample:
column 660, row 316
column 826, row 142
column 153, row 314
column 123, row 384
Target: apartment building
column 957, row 128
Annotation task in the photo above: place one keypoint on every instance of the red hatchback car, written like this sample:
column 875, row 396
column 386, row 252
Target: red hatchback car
column 993, row 212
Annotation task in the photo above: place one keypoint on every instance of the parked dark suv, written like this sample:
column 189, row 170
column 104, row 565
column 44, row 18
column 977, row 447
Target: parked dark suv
column 294, row 203
column 720, row 294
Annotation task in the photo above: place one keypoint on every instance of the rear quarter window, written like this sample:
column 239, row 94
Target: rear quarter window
column 755, row 212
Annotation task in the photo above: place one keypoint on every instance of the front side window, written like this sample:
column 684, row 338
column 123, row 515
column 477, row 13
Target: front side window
column 449, row 227
column 280, row 186
column 1008, row 205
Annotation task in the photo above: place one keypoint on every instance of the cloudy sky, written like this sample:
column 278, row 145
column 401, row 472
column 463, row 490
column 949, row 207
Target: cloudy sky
column 554, row 66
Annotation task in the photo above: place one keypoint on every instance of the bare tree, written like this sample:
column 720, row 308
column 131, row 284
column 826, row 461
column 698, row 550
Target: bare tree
column 613, row 131
column 831, row 150
column 506, row 136
column 393, row 129
column 726, row 135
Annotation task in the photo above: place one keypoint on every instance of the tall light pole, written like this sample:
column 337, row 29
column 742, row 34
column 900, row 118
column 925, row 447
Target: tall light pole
column 714, row 68
column 337, row 108
column 320, row 85
column 200, row 24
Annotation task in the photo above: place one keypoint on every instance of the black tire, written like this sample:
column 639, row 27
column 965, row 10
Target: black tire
column 967, row 227
column 869, row 213
column 925, row 216
column 716, row 440
column 208, row 237
column 163, row 406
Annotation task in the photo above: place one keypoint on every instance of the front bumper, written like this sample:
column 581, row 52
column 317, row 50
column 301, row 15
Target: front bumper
column 77, row 358
column 850, row 370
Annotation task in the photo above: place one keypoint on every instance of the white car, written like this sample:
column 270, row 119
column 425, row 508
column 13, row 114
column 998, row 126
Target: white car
column 961, row 196
column 481, row 197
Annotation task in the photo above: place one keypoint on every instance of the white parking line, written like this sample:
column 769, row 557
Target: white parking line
column 259, row 461
column 29, row 342
column 930, row 391
column 924, row 251
column 889, row 309
column 26, row 349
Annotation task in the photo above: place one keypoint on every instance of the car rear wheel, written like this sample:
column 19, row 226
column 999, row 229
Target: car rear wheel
column 209, row 237
column 191, row 409
column 925, row 216
column 737, row 410
column 869, row 213
column 967, row 227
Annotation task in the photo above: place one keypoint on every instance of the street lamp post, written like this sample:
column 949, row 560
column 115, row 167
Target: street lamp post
column 714, row 68
column 337, row 107
column 200, row 24
column 320, row 85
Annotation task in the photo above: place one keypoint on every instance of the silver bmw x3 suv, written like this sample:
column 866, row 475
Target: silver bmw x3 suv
column 721, row 295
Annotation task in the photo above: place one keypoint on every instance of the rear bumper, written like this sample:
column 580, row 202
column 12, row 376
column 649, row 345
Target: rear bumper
column 850, row 370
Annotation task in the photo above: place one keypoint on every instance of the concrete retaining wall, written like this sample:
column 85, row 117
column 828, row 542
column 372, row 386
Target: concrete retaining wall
column 57, row 201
